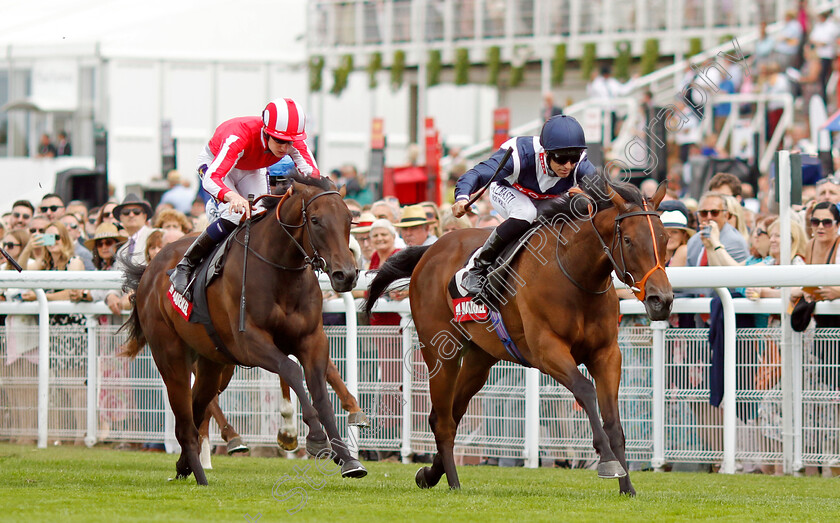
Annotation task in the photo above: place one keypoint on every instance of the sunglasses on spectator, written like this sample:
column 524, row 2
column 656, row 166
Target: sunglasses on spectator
column 827, row 222
column 107, row 242
column 714, row 213
column 10, row 245
column 135, row 212
column 759, row 232
column 106, row 215
column 279, row 141
column 833, row 179
column 51, row 208
column 73, row 226
column 564, row 158
column 355, row 214
column 33, row 230
column 21, row 215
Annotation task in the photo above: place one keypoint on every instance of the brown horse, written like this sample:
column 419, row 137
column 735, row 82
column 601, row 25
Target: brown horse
column 562, row 312
column 308, row 228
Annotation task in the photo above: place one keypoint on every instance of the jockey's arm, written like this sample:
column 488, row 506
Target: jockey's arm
column 475, row 178
column 304, row 162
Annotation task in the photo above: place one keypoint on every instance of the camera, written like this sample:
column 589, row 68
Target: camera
column 706, row 231
column 49, row 239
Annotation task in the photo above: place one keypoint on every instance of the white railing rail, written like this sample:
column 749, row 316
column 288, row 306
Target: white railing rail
column 683, row 277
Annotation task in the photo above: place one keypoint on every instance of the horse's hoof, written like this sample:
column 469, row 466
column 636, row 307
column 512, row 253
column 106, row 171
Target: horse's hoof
column 313, row 448
column 611, row 470
column 630, row 493
column 353, row 469
column 420, row 478
column 358, row 419
column 237, row 445
column 287, row 441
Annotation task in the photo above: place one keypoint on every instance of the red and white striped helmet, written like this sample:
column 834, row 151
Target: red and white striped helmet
column 284, row 120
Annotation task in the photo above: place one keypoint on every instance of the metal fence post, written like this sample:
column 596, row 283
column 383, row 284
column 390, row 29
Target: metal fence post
column 796, row 385
column 352, row 363
column 43, row 367
column 730, row 418
column 405, row 450
column 658, row 328
column 532, row 418
column 92, row 379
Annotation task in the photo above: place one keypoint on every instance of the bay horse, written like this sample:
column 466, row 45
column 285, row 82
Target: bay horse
column 308, row 228
column 564, row 311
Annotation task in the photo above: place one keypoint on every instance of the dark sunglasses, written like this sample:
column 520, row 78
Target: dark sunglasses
column 564, row 158
column 51, row 208
column 759, row 232
column 71, row 226
column 833, row 179
column 828, row 222
column 21, row 215
column 34, row 230
column 106, row 242
column 279, row 141
column 106, row 215
column 714, row 213
column 135, row 212
column 10, row 245
column 355, row 214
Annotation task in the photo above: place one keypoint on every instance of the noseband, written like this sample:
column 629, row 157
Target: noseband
column 623, row 274
column 315, row 261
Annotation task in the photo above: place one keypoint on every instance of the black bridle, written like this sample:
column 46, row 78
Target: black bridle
column 618, row 235
column 315, row 261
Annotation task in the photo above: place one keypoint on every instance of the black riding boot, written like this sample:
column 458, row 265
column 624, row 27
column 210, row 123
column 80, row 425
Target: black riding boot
column 200, row 248
column 474, row 279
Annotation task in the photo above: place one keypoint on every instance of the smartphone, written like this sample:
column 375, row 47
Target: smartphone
column 706, row 231
column 49, row 239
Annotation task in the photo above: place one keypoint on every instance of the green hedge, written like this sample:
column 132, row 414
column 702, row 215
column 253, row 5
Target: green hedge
column 397, row 69
column 650, row 58
column 494, row 64
column 433, row 67
column 373, row 67
column 558, row 65
column 462, row 66
column 587, row 62
column 341, row 73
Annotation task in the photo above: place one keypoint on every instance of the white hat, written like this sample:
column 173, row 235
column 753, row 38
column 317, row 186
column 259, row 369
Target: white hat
column 676, row 220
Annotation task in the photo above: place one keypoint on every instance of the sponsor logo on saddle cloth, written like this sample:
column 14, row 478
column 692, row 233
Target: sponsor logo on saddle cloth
column 181, row 304
column 465, row 308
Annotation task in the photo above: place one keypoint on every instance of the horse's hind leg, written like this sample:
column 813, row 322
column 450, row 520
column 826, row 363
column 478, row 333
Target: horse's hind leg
column 607, row 374
column 472, row 376
column 356, row 416
column 176, row 375
column 287, row 434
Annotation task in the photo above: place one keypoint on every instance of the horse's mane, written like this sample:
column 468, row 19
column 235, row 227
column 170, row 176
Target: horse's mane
column 323, row 183
column 598, row 188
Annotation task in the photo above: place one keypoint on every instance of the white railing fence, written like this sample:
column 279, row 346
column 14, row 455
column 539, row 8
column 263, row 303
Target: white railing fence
column 784, row 409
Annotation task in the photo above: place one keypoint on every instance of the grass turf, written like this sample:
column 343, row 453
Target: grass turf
column 78, row 484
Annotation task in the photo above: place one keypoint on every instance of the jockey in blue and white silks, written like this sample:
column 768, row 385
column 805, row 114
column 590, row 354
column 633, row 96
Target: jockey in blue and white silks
column 540, row 167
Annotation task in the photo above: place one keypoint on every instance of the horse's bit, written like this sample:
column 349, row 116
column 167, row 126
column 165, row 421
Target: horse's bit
column 623, row 274
column 316, row 261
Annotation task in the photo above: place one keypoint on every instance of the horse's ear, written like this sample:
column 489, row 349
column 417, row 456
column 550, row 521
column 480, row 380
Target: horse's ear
column 617, row 200
column 342, row 191
column 659, row 195
column 283, row 184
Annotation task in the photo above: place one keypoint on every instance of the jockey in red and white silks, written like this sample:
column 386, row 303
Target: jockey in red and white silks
column 233, row 165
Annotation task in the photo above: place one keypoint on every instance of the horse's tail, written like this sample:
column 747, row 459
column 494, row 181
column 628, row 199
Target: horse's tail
column 400, row 265
column 131, row 280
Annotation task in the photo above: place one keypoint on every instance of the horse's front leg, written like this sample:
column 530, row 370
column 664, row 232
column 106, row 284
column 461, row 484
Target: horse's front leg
column 314, row 356
column 558, row 363
column 607, row 373
column 266, row 355
column 355, row 415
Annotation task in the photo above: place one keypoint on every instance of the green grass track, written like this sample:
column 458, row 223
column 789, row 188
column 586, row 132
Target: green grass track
column 78, row 484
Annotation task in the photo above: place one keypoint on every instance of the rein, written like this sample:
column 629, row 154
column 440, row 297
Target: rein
column 316, row 262
column 623, row 274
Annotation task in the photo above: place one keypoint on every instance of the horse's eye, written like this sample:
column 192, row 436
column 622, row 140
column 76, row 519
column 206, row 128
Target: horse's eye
column 314, row 220
column 627, row 240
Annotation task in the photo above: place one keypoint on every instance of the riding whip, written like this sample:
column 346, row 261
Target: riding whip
column 245, row 264
column 12, row 261
column 498, row 170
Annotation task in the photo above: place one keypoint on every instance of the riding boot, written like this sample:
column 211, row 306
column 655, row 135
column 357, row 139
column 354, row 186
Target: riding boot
column 474, row 279
column 200, row 248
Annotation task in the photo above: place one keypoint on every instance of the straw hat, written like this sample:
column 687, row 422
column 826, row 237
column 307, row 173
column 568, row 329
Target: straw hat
column 105, row 230
column 676, row 220
column 412, row 216
column 365, row 221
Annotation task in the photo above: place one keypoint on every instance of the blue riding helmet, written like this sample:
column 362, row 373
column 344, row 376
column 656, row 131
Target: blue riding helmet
column 562, row 132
